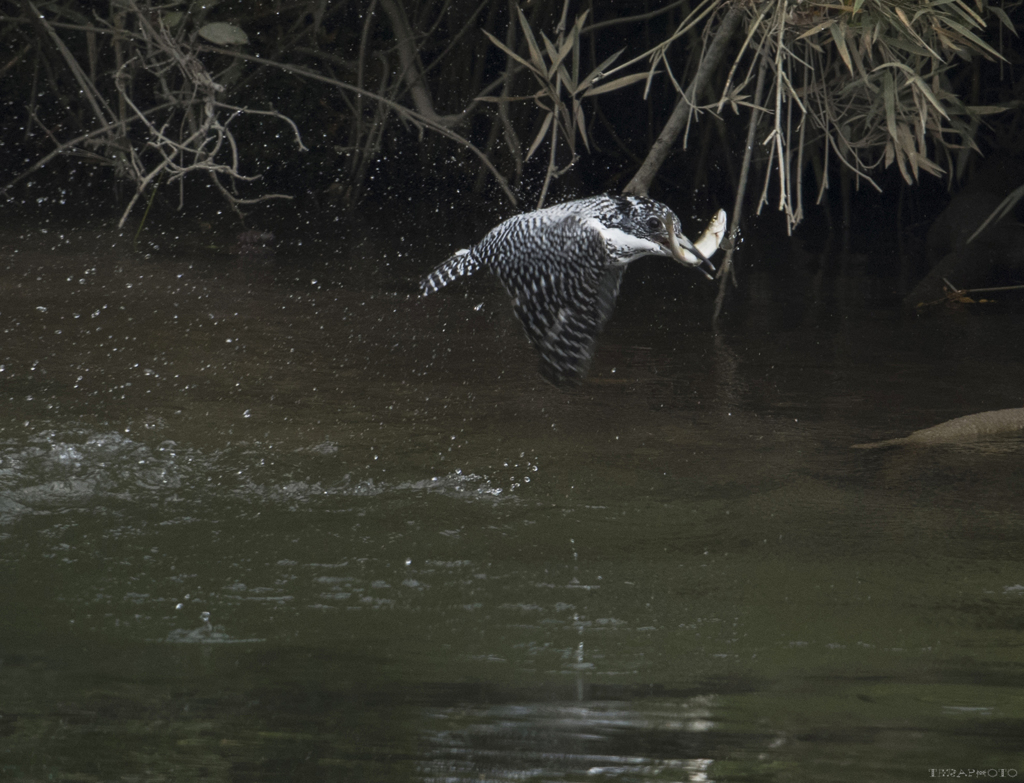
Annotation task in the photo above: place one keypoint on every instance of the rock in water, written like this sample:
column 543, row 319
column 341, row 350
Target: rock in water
column 964, row 429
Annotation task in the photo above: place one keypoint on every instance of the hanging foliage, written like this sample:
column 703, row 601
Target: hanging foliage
column 164, row 93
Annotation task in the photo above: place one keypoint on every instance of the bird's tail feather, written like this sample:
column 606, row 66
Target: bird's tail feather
column 459, row 265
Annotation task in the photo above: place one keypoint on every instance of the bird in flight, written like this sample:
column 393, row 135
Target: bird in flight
column 562, row 266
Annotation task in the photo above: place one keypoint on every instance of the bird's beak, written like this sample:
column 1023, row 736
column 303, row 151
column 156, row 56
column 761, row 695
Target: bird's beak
column 685, row 252
column 696, row 254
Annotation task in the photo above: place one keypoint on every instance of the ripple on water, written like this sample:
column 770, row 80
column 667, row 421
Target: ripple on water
column 55, row 472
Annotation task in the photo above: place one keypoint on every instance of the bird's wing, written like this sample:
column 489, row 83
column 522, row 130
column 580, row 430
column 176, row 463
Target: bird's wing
column 563, row 286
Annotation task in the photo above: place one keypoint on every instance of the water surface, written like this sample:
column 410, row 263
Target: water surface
column 280, row 519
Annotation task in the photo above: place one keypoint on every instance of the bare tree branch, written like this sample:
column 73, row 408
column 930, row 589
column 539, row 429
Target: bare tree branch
column 403, row 111
column 662, row 146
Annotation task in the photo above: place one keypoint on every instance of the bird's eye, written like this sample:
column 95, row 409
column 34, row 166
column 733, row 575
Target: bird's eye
column 653, row 223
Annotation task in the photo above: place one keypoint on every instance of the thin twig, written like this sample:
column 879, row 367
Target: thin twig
column 594, row 27
column 404, row 111
column 659, row 152
column 726, row 271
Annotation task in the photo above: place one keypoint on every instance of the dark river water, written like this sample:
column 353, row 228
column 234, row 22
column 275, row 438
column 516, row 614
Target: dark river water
column 280, row 519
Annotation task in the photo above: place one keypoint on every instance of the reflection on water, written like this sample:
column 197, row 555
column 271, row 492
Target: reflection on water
column 282, row 520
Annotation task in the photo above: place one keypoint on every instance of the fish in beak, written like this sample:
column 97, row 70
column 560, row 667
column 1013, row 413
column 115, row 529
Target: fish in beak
column 695, row 254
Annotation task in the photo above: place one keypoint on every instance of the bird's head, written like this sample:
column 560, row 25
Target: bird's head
column 642, row 226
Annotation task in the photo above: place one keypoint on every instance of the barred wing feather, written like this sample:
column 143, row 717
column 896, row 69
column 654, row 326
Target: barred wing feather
column 563, row 290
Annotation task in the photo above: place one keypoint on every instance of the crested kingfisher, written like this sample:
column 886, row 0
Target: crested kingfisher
column 562, row 266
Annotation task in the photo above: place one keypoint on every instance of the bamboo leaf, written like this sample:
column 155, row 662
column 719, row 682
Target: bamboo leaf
column 540, row 134
column 903, row 18
column 889, row 98
column 576, row 56
column 506, row 98
column 857, row 60
column 581, row 123
column 903, row 167
column 944, row 39
column 930, row 166
column 1001, row 14
column 1001, row 211
column 615, row 84
column 969, row 12
column 905, row 45
column 839, row 36
column 512, row 54
column 598, row 71
column 564, row 74
column 531, row 42
column 913, row 33
column 223, row 34
column 909, row 148
column 565, row 118
column 979, row 44
column 919, row 82
column 552, row 55
column 565, row 126
column 817, row 29
column 989, row 109
column 567, row 47
column 927, row 93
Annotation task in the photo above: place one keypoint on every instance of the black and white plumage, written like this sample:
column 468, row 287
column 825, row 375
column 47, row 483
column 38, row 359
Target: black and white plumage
column 563, row 265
